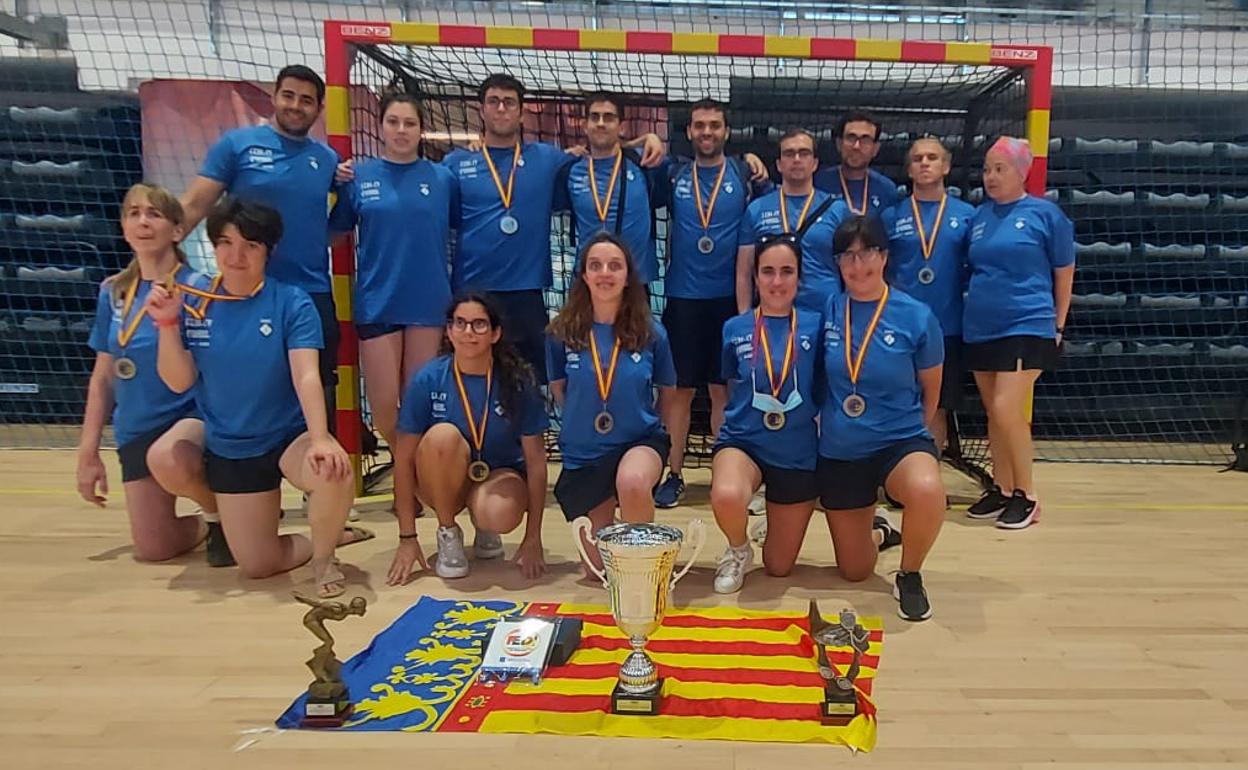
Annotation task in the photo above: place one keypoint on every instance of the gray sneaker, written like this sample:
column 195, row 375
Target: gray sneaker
column 730, row 572
column 487, row 545
column 758, row 532
column 452, row 561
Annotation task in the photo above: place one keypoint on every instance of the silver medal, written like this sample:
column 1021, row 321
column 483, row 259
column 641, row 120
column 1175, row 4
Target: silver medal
column 926, row 276
column 508, row 225
column 706, row 245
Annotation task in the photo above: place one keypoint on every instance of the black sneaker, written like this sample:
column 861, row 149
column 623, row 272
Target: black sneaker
column 912, row 603
column 1020, row 513
column 989, row 506
column 892, row 537
column 217, row 549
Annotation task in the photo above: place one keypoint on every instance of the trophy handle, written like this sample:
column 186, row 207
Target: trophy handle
column 697, row 532
column 582, row 530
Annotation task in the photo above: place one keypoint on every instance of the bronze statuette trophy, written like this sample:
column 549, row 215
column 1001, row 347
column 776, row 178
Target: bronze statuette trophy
column 329, row 703
column 840, row 700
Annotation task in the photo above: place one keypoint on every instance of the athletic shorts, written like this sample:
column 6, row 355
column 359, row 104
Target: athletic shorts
column 782, row 486
column 133, row 453
column 1006, row 353
column 695, row 329
column 580, row 490
column 261, row 473
column 329, row 329
column 951, row 385
column 848, row 484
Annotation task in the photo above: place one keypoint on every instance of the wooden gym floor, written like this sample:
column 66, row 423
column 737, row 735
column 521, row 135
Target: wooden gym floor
column 1111, row 635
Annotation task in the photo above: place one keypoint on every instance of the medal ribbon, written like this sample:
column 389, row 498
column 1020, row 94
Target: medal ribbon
column 604, row 384
column 126, row 331
column 511, row 178
column 760, row 334
column 784, row 211
column 603, row 206
column 855, row 366
column 866, row 190
column 927, row 244
column 705, row 215
column 478, row 436
column 211, row 295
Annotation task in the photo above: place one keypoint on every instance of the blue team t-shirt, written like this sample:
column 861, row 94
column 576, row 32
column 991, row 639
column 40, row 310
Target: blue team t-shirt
column 947, row 262
column 881, row 192
column 241, row 350
column 486, row 258
column 821, row 278
column 294, row 176
column 405, row 212
column 1014, row 249
column 690, row 273
column 432, row 397
column 143, row 403
column 631, row 401
column 644, row 193
column 907, row 340
column 795, row 444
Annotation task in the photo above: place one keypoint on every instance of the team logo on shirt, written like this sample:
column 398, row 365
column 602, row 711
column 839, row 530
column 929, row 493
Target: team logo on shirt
column 1019, row 223
column 875, row 201
column 805, row 342
column 424, row 188
column 266, row 326
column 259, row 157
column 727, row 188
column 630, row 176
column 889, row 338
column 314, row 163
column 573, row 359
column 832, row 333
column 498, row 409
column 437, row 402
column 953, row 223
column 636, row 358
column 198, row 331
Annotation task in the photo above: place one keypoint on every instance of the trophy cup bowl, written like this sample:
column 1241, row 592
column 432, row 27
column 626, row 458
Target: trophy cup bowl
column 638, row 561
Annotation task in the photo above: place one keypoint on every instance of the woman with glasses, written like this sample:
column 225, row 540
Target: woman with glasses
column 605, row 357
column 769, row 437
column 1022, row 260
column 882, row 352
column 404, row 207
column 471, row 429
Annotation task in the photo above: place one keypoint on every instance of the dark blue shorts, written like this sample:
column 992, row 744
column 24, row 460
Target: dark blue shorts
column 849, row 484
column 782, row 486
column 580, row 490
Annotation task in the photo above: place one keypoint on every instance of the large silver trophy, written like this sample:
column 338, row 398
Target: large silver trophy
column 638, row 561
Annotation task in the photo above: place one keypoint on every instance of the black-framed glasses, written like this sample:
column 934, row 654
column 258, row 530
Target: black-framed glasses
column 858, row 140
column 793, row 239
column 869, row 254
column 503, row 102
column 478, row 325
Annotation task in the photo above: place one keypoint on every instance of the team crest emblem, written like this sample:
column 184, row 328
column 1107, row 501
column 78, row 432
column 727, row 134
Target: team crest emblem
column 875, row 201
column 728, row 188
column 636, row 358
column 1019, row 224
column 265, row 328
column 313, row 163
column 630, row 176
column 805, row 343
column 498, row 409
column 953, row 224
column 424, row 188
column 889, row 339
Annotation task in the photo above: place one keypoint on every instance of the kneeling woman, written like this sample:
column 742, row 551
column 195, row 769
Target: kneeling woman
column 160, row 438
column 883, row 353
column 769, row 436
column 253, row 352
column 470, row 428
column 605, row 356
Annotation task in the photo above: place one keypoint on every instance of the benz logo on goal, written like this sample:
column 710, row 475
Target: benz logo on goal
column 1016, row 54
column 366, row 30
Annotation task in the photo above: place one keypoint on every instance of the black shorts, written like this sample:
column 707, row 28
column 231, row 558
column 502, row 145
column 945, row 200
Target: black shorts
column 250, row 474
column 782, row 486
column 848, row 484
column 329, row 330
column 133, row 453
column 1005, row 354
column 524, row 325
column 951, row 375
column 580, row 490
column 373, row 331
column 695, row 329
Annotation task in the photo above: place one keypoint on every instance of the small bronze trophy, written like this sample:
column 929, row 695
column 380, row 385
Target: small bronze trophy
column 329, row 703
column 840, row 700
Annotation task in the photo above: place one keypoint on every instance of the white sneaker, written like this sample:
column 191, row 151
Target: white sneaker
column 758, row 503
column 487, row 545
column 452, row 561
column 758, row 532
column 730, row 573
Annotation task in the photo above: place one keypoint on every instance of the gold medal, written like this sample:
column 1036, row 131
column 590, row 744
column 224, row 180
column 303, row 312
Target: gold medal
column 604, row 422
column 124, row 368
column 773, row 420
column 854, row 405
column 478, row 469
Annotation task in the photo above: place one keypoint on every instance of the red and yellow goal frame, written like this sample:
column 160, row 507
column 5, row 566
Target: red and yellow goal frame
column 1035, row 61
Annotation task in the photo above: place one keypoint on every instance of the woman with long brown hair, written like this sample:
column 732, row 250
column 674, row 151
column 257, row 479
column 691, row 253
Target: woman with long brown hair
column 160, row 437
column 605, row 357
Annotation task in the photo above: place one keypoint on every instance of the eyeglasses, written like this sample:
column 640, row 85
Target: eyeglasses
column 869, row 254
column 504, row 102
column 798, row 154
column 603, row 117
column 478, row 325
column 792, row 239
column 855, row 140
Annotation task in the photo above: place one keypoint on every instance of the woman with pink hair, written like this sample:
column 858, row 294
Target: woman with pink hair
column 1022, row 262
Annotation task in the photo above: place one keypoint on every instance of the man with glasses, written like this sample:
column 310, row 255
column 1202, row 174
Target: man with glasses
column 803, row 212
column 507, row 192
column 865, row 191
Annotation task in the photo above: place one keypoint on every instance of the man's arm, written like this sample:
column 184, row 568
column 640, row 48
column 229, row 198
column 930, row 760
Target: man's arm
column 199, row 199
column 745, row 278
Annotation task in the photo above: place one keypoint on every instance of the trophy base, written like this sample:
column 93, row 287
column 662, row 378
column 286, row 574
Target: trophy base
column 642, row 704
column 322, row 712
column 839, row 707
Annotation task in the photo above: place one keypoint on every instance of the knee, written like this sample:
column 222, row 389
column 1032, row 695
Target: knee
column 171, row 465
column 256, row 567
column 927, row 493
column 776, row 566
column 728, row 495
column 330, row 486
column 632, row 483
column 152, row 551
column 443, row 440
column 499, row 517
column 855, row 573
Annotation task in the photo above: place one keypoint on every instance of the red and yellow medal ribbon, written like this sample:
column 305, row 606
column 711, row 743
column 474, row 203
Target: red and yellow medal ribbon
column 866, row 192
column 854, row 364
column 604, row 383
column 129, row 325
column 705, row 214
column 760, row 334
column 801, row 218
column 211, row 296
column 477, row 433
column 928, row 244
column 603, row 205
column 505, row 195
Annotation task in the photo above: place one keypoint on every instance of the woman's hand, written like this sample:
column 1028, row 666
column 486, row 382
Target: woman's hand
column 405, row 559
column 91, row 474
column 327, row 459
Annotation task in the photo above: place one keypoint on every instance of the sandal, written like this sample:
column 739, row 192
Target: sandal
column 330, row 582
column 357, row 535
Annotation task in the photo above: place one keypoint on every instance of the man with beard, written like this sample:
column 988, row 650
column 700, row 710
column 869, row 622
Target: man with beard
column 865, row 191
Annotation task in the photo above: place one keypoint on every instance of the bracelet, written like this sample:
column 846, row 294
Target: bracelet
column 412, row 536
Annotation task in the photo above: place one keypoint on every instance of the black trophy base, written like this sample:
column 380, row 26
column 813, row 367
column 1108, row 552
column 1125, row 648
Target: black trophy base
column 839, row 706
column 645, row 704
column 321, row 713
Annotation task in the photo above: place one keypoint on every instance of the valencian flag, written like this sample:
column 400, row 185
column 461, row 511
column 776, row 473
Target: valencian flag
column 728, row 673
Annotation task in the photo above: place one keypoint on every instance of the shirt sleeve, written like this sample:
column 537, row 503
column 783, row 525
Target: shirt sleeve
column 303, row 323
column 745, row 231
column 664, row 367
column 344, row 216
column 221, row 162
column 659, row 182
column 534, row 421
column 1061, row 239
column 452, row 186
column 931, row 348
column 415, row 416
column 556, row 360
column 562, row 200
column 98, row 340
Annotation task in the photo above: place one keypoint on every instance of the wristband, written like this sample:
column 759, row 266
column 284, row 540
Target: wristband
column 412, row 536
column 167, row 324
